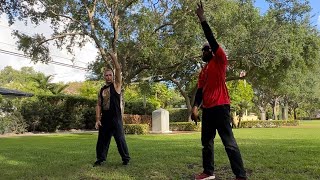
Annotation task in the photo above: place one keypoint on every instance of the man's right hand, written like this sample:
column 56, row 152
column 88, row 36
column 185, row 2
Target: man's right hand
column 98, row 124
column 195, row 114
column 200, row 12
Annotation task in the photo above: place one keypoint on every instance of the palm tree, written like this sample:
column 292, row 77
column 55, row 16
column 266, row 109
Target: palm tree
column 44, row 83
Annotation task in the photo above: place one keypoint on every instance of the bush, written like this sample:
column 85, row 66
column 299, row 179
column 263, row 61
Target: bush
column 12, row 123
column 136, row 128
column 136, row 107
column 41, row 115
column 137, row 119
column 185, row 126
column 268, row 123
column 49, row 113
column 178, row 115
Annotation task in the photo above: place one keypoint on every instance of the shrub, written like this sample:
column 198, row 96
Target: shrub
column 12, row 123
column 268, row 123
column 41, row 115
column 136, row 107
column 185, row 126
column 136, row 128
column 49, row 113
column 178, row 115
column 137, row 119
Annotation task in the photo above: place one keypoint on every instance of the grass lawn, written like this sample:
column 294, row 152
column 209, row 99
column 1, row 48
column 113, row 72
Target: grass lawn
column 268, row 153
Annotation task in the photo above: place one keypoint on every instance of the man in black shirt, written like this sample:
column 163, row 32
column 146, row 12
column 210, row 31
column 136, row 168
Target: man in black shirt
column 109, row 117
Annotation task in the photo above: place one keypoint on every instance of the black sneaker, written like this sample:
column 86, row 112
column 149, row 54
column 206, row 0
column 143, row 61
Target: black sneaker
column 125, row 163
column 97, row 163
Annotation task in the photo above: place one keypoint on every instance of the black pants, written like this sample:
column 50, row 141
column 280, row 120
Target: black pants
column 111, row 127
column 218, row 118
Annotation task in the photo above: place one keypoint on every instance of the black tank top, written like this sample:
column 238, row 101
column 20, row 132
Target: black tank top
column 115, row 103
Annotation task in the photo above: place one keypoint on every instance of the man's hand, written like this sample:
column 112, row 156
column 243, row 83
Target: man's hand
column 98, row 124
column 200, row 12
column 195, row 114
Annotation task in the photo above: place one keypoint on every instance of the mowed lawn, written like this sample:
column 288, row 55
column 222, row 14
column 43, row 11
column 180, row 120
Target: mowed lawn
column 269, row 153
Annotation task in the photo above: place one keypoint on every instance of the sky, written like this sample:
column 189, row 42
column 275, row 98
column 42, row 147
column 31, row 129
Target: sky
column 83, row 56
column 315, row 5
column 60, row 73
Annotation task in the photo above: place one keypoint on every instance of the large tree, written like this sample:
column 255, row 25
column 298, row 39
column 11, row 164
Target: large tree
column 75, row 23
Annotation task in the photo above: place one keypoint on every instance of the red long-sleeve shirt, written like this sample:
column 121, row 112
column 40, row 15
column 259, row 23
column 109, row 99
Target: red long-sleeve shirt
column 212, row 80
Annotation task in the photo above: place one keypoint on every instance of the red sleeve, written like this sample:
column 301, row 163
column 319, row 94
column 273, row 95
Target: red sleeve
column 221, row 56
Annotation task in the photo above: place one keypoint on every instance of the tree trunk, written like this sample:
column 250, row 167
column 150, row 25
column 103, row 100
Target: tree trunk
column 274, row 108
column 144, row 103
column 188, row 99
column 285, row 111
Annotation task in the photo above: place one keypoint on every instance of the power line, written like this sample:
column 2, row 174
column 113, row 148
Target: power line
column 51, row 55
column 33, row 34
column 51, row 62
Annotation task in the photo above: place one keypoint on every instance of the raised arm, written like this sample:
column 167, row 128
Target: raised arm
column 206, row 29
column 117, row 74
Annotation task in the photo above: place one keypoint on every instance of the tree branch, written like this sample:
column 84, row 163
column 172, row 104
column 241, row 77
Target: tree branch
column 164, row 25
column 72, row 19
column 128, row 5
column 107, row 5
column 60, row 36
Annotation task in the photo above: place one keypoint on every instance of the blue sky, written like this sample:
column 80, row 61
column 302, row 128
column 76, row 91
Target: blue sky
column 315, row 5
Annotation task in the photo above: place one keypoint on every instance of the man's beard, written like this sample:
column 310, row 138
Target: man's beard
column 207, row 57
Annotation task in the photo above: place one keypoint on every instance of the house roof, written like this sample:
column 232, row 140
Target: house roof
column 11, row 92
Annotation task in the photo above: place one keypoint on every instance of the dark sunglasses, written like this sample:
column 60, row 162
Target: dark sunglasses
column 206, row 48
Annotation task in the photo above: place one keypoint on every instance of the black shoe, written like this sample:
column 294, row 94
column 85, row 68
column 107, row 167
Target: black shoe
column 125, row 163
column 97, row 163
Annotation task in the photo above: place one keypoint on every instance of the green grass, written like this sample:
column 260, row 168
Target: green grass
column 270, row 153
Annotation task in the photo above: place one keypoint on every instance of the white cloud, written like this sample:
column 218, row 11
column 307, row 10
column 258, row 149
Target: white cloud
column 65, row 74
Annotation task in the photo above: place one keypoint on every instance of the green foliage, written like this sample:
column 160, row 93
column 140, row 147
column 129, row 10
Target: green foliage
column 26, row 79
column 136, row 107
column 268, row 123
column 132, row 93
column 178, row 115
column 11, row 120
column 241, row 95
column 90, row 89
column 12, row 123
column 155, row 95
column 136, row 129
column 49, row 113
column 185, row 126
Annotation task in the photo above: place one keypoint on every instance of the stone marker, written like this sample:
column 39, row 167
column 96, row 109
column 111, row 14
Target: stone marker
column 160, row 121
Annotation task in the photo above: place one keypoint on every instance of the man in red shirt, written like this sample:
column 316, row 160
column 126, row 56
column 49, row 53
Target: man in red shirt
column 212, row 95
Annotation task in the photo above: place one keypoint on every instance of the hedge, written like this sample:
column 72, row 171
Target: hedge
column 136, row 107
column 136, row 128
column 53, row 112
column 268, row 123
column 185, row 126
column 137, row 119
column 49, row 113
column 178, row 115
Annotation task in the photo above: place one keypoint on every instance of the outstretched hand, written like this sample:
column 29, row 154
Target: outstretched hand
column 200, row 11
